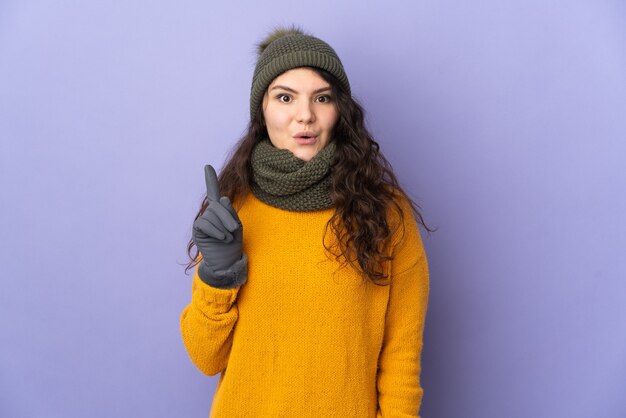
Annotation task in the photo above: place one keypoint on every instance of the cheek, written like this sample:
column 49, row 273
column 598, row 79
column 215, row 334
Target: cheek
column 330, row 118
column 277, row 120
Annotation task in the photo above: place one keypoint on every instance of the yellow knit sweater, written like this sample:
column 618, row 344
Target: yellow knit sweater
column 303, row 339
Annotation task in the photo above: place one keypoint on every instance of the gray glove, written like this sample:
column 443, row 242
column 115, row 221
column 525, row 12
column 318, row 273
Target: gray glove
column 218, row 235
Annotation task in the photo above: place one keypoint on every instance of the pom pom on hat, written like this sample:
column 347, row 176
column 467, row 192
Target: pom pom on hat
column 286, row 48
column 277, row 33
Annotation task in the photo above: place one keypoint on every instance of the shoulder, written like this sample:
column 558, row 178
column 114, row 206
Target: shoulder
column 406, row 242
column 400, row 212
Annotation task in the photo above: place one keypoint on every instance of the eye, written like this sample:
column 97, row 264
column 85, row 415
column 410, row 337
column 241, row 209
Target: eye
column 324, row 99
column 285, row 98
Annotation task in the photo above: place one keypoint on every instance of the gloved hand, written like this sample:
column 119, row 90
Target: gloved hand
column 218, row 235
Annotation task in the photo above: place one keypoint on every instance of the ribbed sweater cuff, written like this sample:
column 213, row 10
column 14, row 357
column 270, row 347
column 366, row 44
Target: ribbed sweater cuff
column 234, row 276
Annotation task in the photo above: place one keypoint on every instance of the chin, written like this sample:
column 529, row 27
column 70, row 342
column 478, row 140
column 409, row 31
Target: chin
column 304, row 155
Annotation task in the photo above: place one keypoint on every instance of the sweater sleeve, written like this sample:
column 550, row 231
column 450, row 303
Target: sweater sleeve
column 399, row 362
column 207, row 325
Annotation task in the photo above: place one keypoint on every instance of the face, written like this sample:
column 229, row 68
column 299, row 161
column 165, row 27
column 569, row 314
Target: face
column 299, row 112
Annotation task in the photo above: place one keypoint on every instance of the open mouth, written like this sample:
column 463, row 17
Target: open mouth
column 305, row 135
column 306, row 139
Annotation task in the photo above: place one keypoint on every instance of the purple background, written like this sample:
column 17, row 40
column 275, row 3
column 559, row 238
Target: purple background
column 505, row 120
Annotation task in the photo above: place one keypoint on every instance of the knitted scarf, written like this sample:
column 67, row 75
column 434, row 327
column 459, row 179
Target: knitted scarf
column 281, row 179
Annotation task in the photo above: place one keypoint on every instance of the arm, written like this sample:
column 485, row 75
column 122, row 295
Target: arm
column 207, row 323
column 399, row 362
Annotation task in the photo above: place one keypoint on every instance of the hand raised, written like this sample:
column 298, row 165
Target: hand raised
column 218, row 231
column 219, row 219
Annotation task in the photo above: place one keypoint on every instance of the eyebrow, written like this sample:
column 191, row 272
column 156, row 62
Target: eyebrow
column 293, row 91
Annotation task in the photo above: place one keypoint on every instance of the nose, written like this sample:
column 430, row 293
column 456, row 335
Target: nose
column 305, row 113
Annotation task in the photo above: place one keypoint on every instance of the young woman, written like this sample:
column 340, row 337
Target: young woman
column 318, row 308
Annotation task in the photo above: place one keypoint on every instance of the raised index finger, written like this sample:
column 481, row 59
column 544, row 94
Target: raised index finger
column 212, row 185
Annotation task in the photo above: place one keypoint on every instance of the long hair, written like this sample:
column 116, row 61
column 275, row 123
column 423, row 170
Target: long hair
column 364, row 187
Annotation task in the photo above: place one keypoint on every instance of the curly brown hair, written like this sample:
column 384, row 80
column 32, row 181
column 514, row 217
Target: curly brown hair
column 363, row 188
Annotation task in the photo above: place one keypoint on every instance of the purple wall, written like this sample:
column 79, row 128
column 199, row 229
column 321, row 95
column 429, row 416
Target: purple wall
column 506, row 121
